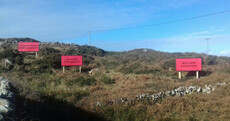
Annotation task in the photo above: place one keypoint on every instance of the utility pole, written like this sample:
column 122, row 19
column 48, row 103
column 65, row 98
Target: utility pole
column 207, row 45
column 89, row 39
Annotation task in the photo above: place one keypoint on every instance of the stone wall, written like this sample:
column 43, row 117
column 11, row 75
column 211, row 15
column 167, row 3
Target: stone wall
column 154, row 98
column 7, row 101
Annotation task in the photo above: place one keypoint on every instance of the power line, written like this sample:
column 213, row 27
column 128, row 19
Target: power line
column 82, row 36
column 168, row 22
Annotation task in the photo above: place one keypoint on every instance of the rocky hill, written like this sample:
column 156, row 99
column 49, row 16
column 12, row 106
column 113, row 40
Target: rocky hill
column 16, row 40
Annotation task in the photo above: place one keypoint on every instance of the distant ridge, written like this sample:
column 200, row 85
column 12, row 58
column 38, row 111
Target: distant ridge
column 18, row 40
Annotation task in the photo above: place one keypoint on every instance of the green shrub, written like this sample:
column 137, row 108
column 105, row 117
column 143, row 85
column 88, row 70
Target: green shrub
column 211, row 60
column 48, row 51
column 48, row 63
column 19, row 60
column 147, row 71
column 9, row 54
column 87, row 59
column 131, row 68
column 42, row 69
column 86, row 50
column 109, row 64
column 87, row 81
column 53, row 61
column 107, row 80
column 169, row 64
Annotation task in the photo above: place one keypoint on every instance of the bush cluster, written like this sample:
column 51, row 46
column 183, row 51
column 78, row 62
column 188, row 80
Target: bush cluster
column 86, row 50
column 82, row 81
column 107, row 80
column 48, row 51
column 48, row 63
column 14, row 58
column 211, row 60
column 11, row 56
column 169, row 64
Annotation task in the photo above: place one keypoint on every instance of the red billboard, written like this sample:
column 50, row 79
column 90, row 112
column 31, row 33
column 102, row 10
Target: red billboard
column 28, row 46
column 189, row 64
column 71, row 60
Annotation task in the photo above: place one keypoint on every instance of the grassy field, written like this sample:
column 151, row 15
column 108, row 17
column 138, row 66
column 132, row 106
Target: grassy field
column 40, row 82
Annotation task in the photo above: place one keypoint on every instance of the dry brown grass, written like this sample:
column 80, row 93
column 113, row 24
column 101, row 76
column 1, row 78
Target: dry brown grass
column 214, row 106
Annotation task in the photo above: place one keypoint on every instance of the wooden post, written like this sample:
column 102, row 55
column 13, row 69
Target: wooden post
column 80, row 69
column 36, row 54
column 63, row 69
column 197, row 74
column 179, row 74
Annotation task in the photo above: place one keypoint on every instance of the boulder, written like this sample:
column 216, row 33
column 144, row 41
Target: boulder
column 5, row 84
column 5, row 106
column 167, row 93
column 4, row 109
column 199, row 89
column 4, row 93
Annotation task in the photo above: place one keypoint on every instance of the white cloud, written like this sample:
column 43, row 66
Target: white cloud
column 224, row 53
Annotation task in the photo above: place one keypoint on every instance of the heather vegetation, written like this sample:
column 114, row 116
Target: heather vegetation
column 115, row 76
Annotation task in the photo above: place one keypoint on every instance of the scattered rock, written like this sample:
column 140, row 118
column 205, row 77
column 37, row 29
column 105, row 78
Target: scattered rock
column 98, row 104
column 92, row 71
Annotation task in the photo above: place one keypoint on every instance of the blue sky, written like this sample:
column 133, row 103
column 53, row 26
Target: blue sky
column 66, row 21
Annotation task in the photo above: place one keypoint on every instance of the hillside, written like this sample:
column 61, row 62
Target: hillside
column 111, row 91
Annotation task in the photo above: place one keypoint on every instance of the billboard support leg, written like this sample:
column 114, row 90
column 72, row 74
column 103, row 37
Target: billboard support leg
column 63, row 69
column 179, row 74
column 197, row 74
column 80, row 69
column 36, row 54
